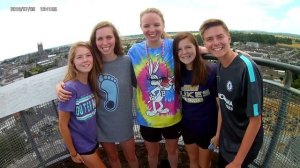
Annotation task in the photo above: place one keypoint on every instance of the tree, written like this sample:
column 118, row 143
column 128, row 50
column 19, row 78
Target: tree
column 27, row 74
column 199, row 39
column 296, row 84
column 296, row 81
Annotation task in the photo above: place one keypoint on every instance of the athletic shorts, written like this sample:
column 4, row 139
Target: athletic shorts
column 91, row 151
column 155, row 134
column 189, row 137
column 222, row 163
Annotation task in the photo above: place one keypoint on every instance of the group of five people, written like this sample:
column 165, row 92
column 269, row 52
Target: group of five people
column 177, row 93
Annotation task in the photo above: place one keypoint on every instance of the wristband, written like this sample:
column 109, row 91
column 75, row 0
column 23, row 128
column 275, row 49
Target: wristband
column 73, row 155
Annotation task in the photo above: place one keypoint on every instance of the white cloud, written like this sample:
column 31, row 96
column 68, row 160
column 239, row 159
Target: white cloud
column 290, row 23
column 74, row 19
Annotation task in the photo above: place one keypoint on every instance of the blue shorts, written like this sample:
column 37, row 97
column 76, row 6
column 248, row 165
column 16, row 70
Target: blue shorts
column 155, row 134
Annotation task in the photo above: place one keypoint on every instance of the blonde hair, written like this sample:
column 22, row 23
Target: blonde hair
column 158, row 12
column 71, row 69
column 71, row 73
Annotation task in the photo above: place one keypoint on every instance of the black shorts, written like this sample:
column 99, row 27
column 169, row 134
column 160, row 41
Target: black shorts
column 91, row 151
column 222, row 163
column 189, row 137
column 155, row 134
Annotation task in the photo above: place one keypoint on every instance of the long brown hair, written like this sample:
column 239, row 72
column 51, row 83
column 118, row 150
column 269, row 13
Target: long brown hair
column 159, row 13
column 119, row 50
column 200, row 66
column 71, row 73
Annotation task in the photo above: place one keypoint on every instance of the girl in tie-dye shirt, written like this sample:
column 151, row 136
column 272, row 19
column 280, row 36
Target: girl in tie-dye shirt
column 158, row 112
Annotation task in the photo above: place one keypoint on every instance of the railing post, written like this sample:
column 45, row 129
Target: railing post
column 31, row 140
column 55, row 108
column 281, row 118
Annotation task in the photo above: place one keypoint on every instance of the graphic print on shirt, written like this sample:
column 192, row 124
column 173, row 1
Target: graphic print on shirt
column 229, row 86
column 191, row 94
column 161, row 85
column 228, row 103
column 85, row 107
column 109, row 85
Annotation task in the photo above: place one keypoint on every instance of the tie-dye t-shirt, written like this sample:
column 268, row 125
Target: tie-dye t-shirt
column 156, row 100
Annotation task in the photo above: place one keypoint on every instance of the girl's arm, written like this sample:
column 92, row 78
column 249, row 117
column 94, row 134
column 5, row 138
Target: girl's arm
column 133, row 77
column 203, row 50
column 63, row 121
column 61, row 93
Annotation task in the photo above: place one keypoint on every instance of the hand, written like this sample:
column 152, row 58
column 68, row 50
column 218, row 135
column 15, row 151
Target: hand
column 243, row 52
column 215, row 140
column 61, row 93
column 77, row 158
column 233, row 165
column 203, row 50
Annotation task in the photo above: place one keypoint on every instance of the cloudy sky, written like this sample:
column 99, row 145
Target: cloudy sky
column 73, row 20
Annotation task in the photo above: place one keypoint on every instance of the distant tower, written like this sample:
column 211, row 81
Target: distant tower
column 40, row 49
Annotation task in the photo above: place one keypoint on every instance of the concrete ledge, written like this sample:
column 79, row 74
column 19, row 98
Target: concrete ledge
column 29, row 92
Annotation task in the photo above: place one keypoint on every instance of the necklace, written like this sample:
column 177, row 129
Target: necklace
column 162, row 50
column 153, row 68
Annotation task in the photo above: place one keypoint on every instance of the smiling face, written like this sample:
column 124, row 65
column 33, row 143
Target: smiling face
column 83, row 60
column 153, row 27
column 217, row 41
column 186, row 53
column 105, row 41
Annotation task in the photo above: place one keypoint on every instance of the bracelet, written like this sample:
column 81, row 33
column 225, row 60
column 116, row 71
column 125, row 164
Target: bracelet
column 74, row 155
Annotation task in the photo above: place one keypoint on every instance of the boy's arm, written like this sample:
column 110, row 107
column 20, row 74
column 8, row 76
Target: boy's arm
column 248, row 139
column 216, row 139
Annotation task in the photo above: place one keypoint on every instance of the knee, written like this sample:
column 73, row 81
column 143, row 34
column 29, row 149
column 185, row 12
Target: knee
column 193, row 158
column 205, row 165
column 172, row 151
column 152, row 154
column 131, row 158
column 114, row 157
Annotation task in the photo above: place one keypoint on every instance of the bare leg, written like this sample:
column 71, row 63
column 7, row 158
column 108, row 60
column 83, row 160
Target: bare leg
column 93, row 160
column 171, row 147
column 204, row 158
column 112, row 153
column 193, row 153
column 153, row 151
column 128, row 148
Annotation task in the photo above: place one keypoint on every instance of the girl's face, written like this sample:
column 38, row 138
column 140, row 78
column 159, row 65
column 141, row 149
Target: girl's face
column 83, row 60
column 186, row 53
column 217, row 41
column 105, row 41
column 152, row 27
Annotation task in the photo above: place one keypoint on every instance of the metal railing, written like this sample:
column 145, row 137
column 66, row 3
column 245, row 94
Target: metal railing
column 29, row 135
